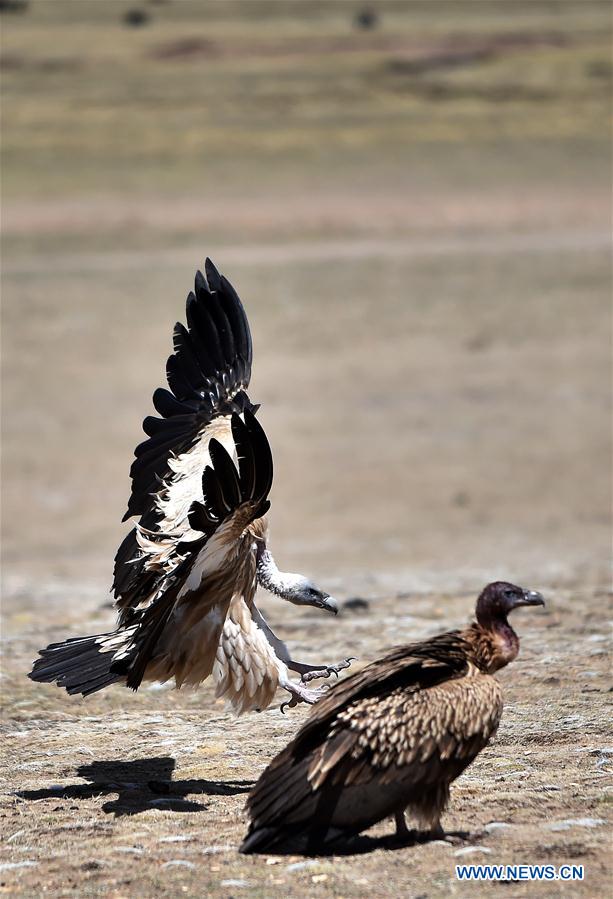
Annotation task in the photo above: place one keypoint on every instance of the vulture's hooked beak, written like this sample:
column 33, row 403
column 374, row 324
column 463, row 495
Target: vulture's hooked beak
column 530, row 598
column 328, row 603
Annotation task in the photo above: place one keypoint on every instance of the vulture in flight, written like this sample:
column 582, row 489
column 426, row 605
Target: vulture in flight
column 186, row 574
column 391, row 737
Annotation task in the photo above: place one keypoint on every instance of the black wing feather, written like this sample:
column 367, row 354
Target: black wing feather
column 261, row 449
column 224, row 329
column 224, row 488
column 227, row 475
column 245, row 455
column 207, row 374
column 185, row 352
column 167, row 404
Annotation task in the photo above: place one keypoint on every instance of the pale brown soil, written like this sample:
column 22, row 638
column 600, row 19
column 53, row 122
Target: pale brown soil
column 423, row 258
column 143, row 795
column 412, row 462
column 437, row 408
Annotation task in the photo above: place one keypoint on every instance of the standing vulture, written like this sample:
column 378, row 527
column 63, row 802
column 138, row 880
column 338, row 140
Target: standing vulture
column 390, row 737
column 186, row 574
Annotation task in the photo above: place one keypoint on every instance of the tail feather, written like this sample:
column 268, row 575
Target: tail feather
column 80, row 665
column 284, row 839
column 258, row 840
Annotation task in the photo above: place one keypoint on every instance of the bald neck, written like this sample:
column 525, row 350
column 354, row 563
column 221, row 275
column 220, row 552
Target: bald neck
column 494, row 642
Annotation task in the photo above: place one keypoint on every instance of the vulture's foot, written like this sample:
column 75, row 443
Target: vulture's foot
column 311, row 672
column 404, row 836
column 458, row 837
column 300, row 693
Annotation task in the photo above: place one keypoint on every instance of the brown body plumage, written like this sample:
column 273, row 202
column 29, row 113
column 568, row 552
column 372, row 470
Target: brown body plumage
column 391, row 737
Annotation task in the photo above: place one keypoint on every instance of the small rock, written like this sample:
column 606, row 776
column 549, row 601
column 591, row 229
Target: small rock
column 356, row 604
column 10, row 866
column 472, row 850
column 235, row 883
column 493, row 826
column 576, row 822
column 136, row 18
column 178, row 863
column 184, row 839
column 300, row 866
column 366, row 19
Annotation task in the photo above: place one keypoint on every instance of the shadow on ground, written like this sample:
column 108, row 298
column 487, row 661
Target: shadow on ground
column 142, row 784
column 363, row 844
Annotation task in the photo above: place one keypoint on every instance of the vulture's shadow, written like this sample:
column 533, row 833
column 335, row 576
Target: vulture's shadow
column 362, row 844
column 141, row 784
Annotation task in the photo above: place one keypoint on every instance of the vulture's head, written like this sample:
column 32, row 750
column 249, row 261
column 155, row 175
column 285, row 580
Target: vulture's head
column 500, row 598
column 303, row 592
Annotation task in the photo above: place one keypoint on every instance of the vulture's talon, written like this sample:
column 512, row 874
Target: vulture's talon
column 299, row 693
column 290, row 703
column 326, row 670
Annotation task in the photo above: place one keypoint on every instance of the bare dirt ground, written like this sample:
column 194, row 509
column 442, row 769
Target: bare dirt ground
column 421, row 247
column 143, row 795
column 442, row 436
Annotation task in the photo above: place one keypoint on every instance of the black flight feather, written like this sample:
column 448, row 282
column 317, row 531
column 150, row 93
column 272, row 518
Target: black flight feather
column 263, row 455
column 226, row 473
column 225, row 489
column 245, row 455
column 187, row 355
column 207, row 376
column 213, row 495
column 167, row 404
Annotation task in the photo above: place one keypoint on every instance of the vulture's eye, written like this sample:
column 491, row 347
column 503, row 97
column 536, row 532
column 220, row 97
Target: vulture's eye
column 510, row 594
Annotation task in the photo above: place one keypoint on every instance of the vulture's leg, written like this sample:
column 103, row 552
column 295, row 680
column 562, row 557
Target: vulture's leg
column 300, row 693
column 405, row 835
column 307, row 672
column 435, row 832
column 402, row 831
column 310, row 672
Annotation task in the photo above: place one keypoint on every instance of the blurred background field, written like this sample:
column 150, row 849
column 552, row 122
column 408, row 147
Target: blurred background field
column 417, row 217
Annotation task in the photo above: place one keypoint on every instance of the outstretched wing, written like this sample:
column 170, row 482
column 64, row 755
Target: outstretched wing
column 208, row 374
column 209, row 569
